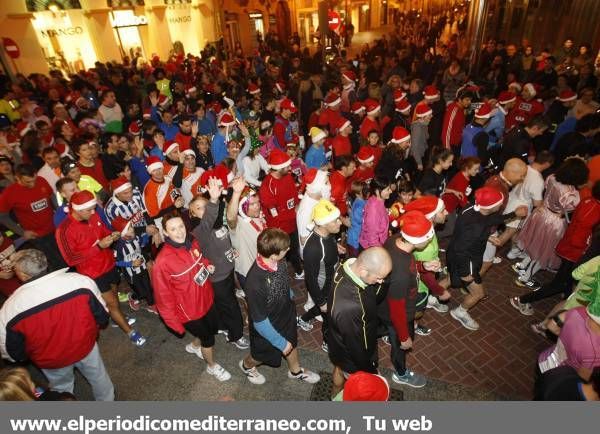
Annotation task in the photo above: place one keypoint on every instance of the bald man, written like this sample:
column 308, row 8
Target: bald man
column 512, row 174
column 352, row 311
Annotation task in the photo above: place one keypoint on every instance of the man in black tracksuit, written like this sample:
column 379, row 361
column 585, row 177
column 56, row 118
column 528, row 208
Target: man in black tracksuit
column 352, row 312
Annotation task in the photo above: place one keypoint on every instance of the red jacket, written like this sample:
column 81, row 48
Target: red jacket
column 522, row 112
column 179, row 297
column 78, row 244
column 454, row 123
column 330, row 119
column 339, row 191
column 367, row 126
column 278, row 198
column 577, row 237
column 341, row 146
column 52, row 320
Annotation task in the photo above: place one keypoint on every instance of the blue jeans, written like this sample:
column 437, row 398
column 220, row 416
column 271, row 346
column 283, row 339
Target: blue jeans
column 92, row 368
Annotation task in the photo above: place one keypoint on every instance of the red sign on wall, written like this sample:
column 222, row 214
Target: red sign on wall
column 334, row 20
column 11, row 47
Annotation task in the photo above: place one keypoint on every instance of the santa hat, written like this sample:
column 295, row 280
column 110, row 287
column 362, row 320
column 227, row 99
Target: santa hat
column 487, row 198
column 324, row 212
column 516, row 86
column 279, row 160
column 399, row 95
column 357, row 107
column 147, row 113
column 415, row 227
column 280, row 86
column 83, row 200
column 342, row 123
column 506, row 97
column 372, row 106
column 153, row 163
column 316, row 134
column 293, row 142
column 226, row 120
column 428, row 205
column 431, row 92
column 120, row 224
column 422, row 110
column 170, row 146
column 288, row 104
column 567, row 95
column 120, row 184
column 134, row 128
column 403, row 106
column 349, row 75
column 163, row 101
column 530, row 87
column 365, row 155
column 400, row 135
column 484, row 111
column 188, row 152
column 190, row 89
column 228, row 101
column 23, row 128
column 220, row 172
column 253, row 89
column 364, row 386
column 332, row 99
column 314, row 180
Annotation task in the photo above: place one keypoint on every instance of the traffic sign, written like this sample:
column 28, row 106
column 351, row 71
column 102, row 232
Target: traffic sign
column 11, row 48
column 334, row 20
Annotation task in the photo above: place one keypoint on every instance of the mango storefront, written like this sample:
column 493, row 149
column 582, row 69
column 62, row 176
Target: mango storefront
column 73, row 34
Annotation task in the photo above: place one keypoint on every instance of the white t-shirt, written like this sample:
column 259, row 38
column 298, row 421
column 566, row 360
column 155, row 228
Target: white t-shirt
column 244, row 238
column 532, row 188
column 304, row 217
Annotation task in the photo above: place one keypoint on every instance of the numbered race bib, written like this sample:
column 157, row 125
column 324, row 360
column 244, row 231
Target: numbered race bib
column 274, row 212
column 221, row 233
column 201, row 276
column 290, row 203
column 174, row 195
column 231, row 254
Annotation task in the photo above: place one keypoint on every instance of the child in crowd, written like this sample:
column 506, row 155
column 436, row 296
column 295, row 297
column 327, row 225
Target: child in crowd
column 359, row 192
column 316, row 155
column 298, row 168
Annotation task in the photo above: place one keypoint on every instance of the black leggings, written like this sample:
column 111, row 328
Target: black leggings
column 562, row 282
column 228, row 308
column 142, row 289
column 314, row 312
column 293, row 255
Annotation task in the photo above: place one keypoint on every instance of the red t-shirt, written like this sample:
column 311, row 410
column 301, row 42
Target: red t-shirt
column 341, row 146
column 96, row 172
column 32, row 206
column 279, row 198
column 339, row 191
column 184, row 141
column 522, row 112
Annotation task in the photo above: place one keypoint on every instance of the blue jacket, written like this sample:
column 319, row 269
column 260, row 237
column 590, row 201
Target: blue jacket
column 495, row 128
column 139, row 171
column 315, row 157
column 218, row 148
column 567, row 126
column 356, row 218
column 468, row 147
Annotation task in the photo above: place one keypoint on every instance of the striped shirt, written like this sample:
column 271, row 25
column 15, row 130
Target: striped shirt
column 133, row 210
column 127, row 251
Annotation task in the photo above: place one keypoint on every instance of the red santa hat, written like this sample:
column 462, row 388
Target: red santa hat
column 120, row 184
column 365, row 155
column 163, row 101
column 170, row 146
column 23, row 128
column 364, row 386
column 403, row 106
column 530, row 87
column 288, row 104
column 357, row 107
column 134, row 128
column 226, row 120
column 294, row 141
column 400, row 135
column 280, row 86
column 422, row 110
column 399, row 95
column 83, row 200
column 147, row 113
column 120, row 224
column 431, row 92
column 349, row 75
column 342, row 123
column 279, row 160
column 506, row 97
column 253, row 89
column 567, row 95
column 188, row 152
column 153, row 163
column 314, row 180
column 487, row 198
column 220, row 172
column 516, row 86
column 484, row 111
column 415, row 227
column 428, row 205
column 332, row 99
column 372, row 106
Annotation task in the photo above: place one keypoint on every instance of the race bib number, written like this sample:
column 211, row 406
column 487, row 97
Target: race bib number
column 201, row 276
column 231, row 254
column 274, row 212
column 137, row 217
column 468, row 191
column 221, row 233
column 290, row 204
column 174, row 195
column 39, row 205
column 297, row 171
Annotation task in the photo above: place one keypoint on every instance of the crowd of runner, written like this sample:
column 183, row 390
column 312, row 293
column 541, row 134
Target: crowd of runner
column 183, row 186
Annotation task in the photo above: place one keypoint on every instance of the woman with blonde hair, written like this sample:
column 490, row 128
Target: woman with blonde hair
column 16, row 385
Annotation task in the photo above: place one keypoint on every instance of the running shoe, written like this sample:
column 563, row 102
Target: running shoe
column 252, row 374
column 218, row 372
column 305, row 375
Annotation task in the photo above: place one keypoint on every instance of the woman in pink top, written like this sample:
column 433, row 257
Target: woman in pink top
column 374, row 230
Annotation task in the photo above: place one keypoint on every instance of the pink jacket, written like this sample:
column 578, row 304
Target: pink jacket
column 374, row 230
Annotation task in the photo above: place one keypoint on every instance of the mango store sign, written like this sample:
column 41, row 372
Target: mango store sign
column 129, row 21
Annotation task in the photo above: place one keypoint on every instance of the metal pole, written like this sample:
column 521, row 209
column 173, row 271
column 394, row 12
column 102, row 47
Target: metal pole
column 479, row 18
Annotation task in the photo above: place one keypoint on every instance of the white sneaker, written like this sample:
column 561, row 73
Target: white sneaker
column 308, row 305
column 319, row 318
column 299, row 276
column 306, row 376
column 218, row 372
column 239, row 293
column 515, row 254
column 304, row 325
column 465, row 319
column 190, row 348
column 496, row 260
column 524, row 308
column 252, row 374
column 435, row 304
